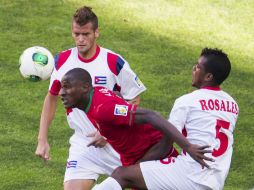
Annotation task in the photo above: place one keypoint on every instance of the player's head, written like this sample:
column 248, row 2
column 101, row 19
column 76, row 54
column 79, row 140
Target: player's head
column 212, row 69
column 85, row 15
column 76, row 86
column 85, row 29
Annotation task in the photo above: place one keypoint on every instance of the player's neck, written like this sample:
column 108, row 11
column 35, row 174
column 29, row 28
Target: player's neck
column 88, row 100
column 89, row 54
column 209, row 84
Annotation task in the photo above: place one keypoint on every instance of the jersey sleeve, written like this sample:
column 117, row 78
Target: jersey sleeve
column 178, row 114
column 55, row 84
column 131, row 85
column 127, row 81
column 114, row 113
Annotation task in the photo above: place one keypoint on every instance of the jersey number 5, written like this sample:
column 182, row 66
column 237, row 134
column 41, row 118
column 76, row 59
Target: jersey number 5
column 222, row 137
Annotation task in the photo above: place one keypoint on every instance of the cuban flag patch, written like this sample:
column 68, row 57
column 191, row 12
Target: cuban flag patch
column 121, row 110
column 71, row 164
column 100, row 80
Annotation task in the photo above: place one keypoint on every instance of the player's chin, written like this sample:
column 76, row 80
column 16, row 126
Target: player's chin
column 67, row 105
column 193, row 83
column 82, row 49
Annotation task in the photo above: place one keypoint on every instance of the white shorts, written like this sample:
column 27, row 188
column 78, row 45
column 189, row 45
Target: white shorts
column 168, row 174
column 89, row 162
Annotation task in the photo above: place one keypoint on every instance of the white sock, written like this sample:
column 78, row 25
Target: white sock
column 108, row 184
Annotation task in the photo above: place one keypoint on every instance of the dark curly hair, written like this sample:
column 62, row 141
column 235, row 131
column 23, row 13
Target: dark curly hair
column 217, row 63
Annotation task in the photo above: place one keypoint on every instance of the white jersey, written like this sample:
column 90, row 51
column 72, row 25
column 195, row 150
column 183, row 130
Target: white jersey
column 208, row 117
column 106, row 68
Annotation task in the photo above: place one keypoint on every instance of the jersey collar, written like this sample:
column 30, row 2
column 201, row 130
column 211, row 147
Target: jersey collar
column 92, row 58
column 215, row 88
column 90, row 100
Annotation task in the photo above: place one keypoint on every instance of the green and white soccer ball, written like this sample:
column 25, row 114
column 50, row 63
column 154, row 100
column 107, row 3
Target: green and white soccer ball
column 36, row 63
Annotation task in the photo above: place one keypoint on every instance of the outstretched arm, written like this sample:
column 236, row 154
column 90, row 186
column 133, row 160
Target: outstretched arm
column 135, row 100
column 196, row 152
column 158, row 151
column 47, row 116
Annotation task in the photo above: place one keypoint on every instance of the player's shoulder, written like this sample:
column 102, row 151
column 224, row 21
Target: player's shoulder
column 62, row 57
column 103, row 93
column 106, row 50
column 115, row 61
column 103, row 99
column 187, row 98
column 228, row 97
column 106, row 96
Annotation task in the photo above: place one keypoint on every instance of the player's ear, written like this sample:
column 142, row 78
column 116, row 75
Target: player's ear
column 97, row 33
column 209, row 77
column 72, row 34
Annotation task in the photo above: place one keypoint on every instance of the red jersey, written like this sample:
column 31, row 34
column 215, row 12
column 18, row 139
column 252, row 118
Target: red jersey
column 114, row 118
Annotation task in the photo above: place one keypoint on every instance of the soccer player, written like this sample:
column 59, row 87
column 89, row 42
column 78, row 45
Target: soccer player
column 107, row 69
column 130, row 130
column 208, row 115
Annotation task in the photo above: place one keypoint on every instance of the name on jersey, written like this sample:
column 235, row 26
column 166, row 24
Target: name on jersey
column 121, row 110
column 219, row 105
column 100, row 80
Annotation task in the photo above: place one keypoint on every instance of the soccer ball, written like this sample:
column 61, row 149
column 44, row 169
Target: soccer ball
column 36, row 63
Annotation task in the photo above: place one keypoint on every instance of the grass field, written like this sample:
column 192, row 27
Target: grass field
column 160, row 39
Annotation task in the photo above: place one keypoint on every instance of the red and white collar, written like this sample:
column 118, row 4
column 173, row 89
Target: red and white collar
column 92, row 58
column 215, row 88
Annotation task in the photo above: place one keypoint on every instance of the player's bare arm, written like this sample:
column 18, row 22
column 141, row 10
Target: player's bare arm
column 158, row 151
column 196, row 152
column 98, row 141
column 135, row 100
column 47, row 116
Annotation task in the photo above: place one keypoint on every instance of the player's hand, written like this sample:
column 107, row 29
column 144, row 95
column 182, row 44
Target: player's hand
column 42, row 150
column 134, row 101
column 97, row 141
column 198, row 154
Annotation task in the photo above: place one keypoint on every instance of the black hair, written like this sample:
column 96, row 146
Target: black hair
column 85, row 15
column 217, row 63
column 80, row 75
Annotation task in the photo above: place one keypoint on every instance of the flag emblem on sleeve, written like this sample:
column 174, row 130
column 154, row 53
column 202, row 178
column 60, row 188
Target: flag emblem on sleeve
column 71, row 164
column 138, row 81
column 100, row 80
column 121, row 110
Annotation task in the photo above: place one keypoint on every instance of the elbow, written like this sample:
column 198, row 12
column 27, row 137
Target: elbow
column 152, row 117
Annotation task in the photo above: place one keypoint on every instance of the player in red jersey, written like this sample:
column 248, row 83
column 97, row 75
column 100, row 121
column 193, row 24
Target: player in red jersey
column 130, row 130
column 112, row 116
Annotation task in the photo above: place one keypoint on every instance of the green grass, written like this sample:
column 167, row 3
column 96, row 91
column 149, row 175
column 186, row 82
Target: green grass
column 160, row 39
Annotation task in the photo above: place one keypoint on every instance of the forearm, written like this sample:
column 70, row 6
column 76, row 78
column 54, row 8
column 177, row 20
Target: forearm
column 159, row 123
column 47, row 116
column 158, row 151
column 171, row 131
column 135, row 100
